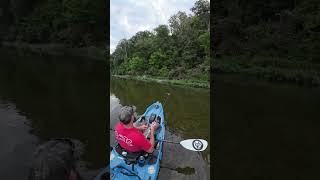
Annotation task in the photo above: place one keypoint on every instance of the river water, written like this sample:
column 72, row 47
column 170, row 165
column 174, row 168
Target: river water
column 262, row 130
column 43, row 97
column 265, row 130
column 187, row 113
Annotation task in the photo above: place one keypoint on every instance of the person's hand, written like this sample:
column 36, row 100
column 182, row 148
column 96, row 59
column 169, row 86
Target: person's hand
column 143, row 127
column 73, row 175
column 154, row 126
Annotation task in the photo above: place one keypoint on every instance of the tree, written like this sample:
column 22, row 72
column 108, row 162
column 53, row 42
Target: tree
column 162, row 38
column 158, row 59
column 202, row 10
column 204, row 41
column 181, row 46
column 143, row 45
column 136, row 64
column 120, row 53
column 177, row 21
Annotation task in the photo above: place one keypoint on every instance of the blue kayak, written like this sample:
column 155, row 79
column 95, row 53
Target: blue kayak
column 145, row 167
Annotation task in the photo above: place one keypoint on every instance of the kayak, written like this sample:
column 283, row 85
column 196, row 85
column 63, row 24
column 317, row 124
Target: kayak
column 144, row 167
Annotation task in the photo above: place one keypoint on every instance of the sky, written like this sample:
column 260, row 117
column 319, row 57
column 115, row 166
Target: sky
column 127, row 17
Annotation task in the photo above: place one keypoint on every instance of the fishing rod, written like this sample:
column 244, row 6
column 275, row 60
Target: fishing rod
column 165, row 101
column 148, row 130
column 190, row 144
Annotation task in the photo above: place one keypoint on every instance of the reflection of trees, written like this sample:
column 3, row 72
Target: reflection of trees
column 62, row 98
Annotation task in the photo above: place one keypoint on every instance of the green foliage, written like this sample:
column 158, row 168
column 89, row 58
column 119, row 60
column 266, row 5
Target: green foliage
column 268, row 36
column 135, row 64
column 275, row 40
column 204, row 41
column 164, row 72
column 177, row 22
column 158, row 59
column 202, row 10
column 63, row 21
column 79, row 11
column 168, row 51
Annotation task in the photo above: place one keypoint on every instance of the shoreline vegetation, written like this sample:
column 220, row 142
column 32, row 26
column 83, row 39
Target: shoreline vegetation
column 174, row 53
column 91, row 52
column 74, row 27
column 299, row 73
column 273, row 40
column 194, row 83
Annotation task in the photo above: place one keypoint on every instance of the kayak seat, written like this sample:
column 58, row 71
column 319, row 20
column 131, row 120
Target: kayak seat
column 143, row 119
column 130, row 157
column 152, row 118
column 158, row 119
column 153, row 157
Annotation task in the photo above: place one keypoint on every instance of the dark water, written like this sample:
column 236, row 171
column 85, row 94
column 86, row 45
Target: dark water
column 265, row 130
column 44, row 97
column 187, row 113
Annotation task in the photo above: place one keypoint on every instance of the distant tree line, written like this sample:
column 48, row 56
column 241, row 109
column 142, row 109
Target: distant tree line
column 178, row 50
column 276, row 39
column 288, row 28
column 72, row 22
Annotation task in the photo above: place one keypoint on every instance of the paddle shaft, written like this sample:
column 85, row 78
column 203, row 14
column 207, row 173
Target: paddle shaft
column 170, row 142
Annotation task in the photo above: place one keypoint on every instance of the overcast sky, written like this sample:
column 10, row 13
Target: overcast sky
column 130, row 16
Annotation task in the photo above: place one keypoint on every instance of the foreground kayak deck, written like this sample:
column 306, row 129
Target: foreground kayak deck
column 150, row 170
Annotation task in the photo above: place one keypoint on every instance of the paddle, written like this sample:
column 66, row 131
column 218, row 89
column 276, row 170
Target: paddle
column 191, row 144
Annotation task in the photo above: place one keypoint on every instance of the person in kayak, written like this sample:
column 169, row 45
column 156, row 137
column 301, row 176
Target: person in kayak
column 129, row 136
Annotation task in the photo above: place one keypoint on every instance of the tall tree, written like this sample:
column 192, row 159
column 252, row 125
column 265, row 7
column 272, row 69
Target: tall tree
column 202, row 10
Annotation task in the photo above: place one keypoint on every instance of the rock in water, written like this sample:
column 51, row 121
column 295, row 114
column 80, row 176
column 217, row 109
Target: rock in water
column 56, row 160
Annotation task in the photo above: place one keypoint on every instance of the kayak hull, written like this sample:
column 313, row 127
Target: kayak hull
column 150, row 170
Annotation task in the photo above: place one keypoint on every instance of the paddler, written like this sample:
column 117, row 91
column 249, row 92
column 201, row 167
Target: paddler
column 130, row 136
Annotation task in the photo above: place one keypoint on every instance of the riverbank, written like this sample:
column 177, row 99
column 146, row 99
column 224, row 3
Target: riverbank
column 90, row 52
column 275, row 70
column 181, row 82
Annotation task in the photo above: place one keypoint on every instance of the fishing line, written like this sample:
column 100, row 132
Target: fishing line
column 168, row 94
column 165, row 101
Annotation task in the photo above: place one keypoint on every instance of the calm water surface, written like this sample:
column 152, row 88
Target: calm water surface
column 265, row 130
column 45, row 97
column 187, row 113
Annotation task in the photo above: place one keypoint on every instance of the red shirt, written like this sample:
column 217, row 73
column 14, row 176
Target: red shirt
column 131, row 139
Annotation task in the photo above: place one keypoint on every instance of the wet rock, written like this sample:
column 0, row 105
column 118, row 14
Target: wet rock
column 56, row 160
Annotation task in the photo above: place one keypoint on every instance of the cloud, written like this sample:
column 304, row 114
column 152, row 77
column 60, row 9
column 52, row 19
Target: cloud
column 127, row 17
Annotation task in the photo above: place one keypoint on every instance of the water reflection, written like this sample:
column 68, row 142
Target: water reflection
column 266, row 130
column 56, row 97
column 16, row 142
column 187, row 116
column 114, row 102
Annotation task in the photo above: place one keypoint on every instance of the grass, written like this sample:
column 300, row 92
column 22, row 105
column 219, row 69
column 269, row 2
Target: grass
column 90, row 52
column 181, row 82
column 282, row 70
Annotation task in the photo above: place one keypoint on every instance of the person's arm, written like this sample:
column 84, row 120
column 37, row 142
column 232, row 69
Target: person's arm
column 142, row 127
column 151, row 140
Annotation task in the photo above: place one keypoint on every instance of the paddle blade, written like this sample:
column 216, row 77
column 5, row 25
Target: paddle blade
column 195, row 144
